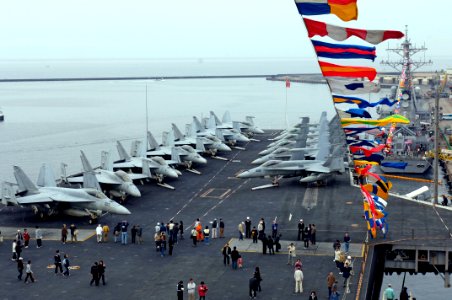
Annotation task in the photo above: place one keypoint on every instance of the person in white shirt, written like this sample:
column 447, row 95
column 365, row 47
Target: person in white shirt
column 99, row 232
column 298, row 276
column 29, row 272
column 191, row 289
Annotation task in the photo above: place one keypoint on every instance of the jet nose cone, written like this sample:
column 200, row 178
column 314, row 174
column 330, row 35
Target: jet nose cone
column 258, row 161
column 264, row 152
column 121, row 210
column 242, row 138
column 199, row 160
column 223, row 147
column 134, row 191
column 171, row 173
column 257, row 130
column 244, row 174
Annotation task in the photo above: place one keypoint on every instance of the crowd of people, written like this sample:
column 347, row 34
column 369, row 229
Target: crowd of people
column 168, row 234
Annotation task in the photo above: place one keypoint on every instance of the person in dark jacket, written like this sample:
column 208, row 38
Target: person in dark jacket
column 57, row 262
column 253, row 287
column 181, row 230
column 277, row 243
column 300, row 229
column 226, row 254
column 346, row 270
column 133, row 233
column 101, row 267
column 264, row 244
column 234, row 257
column 95, row 274
column 404, row 294
column 66, row 265
column 180, row 290
column 313, row 296
column 306, row 236
column 254, row 235
column 270, row 245
column 257, row 275
column 20, row 267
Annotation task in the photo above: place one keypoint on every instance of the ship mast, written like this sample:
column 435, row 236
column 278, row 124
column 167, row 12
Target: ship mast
column 406, row 50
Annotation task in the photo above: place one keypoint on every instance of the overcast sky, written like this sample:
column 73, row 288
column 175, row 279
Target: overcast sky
column 152, row 29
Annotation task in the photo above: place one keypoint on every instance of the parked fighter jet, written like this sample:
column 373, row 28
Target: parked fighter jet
column 248, row 127
column 231, row 136
column 158, row 166
column 119, row 182
column 211, row 144
column 298, row 166
column 47, row 199
column 185, row 153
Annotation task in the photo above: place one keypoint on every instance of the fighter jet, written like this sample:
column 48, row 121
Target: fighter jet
column 119, row 182
column 185, row 154
column 297, row 166
column 211, row 144
column 245, row 127
column 231, row 136
column 158, row 166
column 284, row 153
column 47, row 199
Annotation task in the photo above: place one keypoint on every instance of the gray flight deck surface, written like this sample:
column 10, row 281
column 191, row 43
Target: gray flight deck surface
column 138, row 271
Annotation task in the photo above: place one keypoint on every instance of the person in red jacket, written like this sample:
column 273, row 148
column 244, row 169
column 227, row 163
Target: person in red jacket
column 202, row 291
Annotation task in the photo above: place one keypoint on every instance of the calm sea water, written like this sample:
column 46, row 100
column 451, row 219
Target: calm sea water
column 52, row 121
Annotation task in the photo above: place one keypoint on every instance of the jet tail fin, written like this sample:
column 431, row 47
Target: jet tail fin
column 165, row 141
column 123, row 155
column 212, row 122
column 219, row 134
column 86, row 165
column 90, row 181
column 200, row 145
column 191, row 130
column 8, row 195
column 175, row 155
column 236, row 125
column 153, row 145
column 137, row 149
column 170, row 139
column 197, row 125
column 105, row 161
column 250, row 120
column 24, row 182
column 215, row 118
column 335, row 161
column 63, row 170
column 177, row 133
column 227, row 117
column 297, row 154
column 146, row 168
column 46, row 177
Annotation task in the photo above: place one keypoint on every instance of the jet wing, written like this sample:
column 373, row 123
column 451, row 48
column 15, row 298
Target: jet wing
column 33, row 199
column 100, row 178
column 318, row 168
column 49, row 198
column 126, row 164
column 160, row 152
column 63, row 197
column 136, row 176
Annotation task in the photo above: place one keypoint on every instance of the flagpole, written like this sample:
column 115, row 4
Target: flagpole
column 285, row 113
column 147, row 122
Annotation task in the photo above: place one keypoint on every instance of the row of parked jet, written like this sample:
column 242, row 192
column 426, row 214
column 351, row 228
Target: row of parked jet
column 313, row 152
column 48, row 197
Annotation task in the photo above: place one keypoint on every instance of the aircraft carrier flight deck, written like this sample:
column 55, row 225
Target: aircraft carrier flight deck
column 139, row 272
